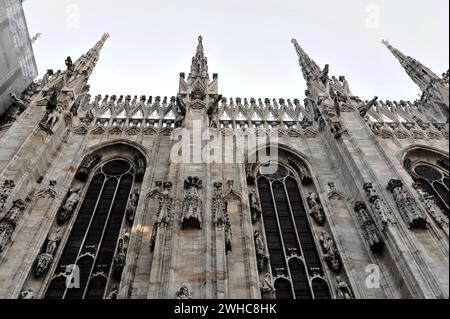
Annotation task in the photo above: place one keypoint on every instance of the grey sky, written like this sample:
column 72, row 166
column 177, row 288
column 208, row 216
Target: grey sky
column 247, row 42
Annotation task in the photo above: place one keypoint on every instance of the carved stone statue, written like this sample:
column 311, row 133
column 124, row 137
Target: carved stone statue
column 260, row 248
column 192, row 214
column 255, row 207
column 5, row 191
column 165, row 205
column 9, row 222
column 407, row 206
column 46, row 78
column 66, row 211
column 19, row 103
column 369, row 229
column 219, row 206
column 86, row 165
column 343, row 289
column 45, row 259
column 184, row 293
column 180, row 113
column 267, row 288
column 213, row 112
column 120, row 257
column 132, row 205
column 331, row 253
column 376, row 205
column 140, row 168
column 27, row 294
column 69, row 64
column 316, row 208
column 50, row 119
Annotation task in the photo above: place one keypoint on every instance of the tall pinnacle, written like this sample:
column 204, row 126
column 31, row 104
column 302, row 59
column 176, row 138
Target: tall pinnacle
column 419, row 73
column 309, row 67
column 87, row 62
column 199, row 67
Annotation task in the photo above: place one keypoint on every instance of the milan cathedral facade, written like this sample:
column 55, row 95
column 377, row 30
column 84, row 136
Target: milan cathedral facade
column 200, row 196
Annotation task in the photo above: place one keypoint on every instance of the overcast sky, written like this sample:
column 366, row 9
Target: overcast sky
column 247, row 42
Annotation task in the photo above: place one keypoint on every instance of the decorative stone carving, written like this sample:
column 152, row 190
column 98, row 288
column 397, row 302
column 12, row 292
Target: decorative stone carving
column 407, row 206
column 213, row 112
column 132, row 206
column 219, row 206
column 5, row 191
column 330, row 252
column 140, row 168
column 86, row 165
column 8, row 223
column 50, row 119
column 66, row 211
column 165, row 205
column 192, row 213
column 255, row 207
column 48, row 192
column 380, row 215
column 367, row 106
column 369, row 229
column 120, row 257
column 221, row 219
column 431, row 207
column 343, row 289
column 184, row 292
column 260, row 248
column 45, row 259
column 316, row 208
column 27, row 294
column 305, row 176
column 180, row 112
column 267, row 288
column 113, row 294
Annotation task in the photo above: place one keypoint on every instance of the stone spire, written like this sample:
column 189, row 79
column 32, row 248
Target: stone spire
column 87, row 62
column 199, row 67
column 308, row 65
column 420, row 74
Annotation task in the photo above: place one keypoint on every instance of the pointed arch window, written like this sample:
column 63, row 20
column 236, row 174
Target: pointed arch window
column 293, row 256
column 93, row 240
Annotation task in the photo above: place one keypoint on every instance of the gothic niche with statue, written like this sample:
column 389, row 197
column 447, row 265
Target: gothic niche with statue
column 192, row 212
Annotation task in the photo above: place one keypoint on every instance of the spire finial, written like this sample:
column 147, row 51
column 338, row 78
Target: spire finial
column 308, row 65
column 200, row 49
column 418, row 72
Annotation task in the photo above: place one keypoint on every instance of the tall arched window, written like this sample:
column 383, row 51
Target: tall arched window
column 294, row 258
column 94, row 237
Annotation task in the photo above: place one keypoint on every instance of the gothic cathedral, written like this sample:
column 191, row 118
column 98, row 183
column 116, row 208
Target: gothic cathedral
column 199, row 196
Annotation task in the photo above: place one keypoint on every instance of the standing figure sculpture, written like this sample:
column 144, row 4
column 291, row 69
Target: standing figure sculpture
column 192, row 214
